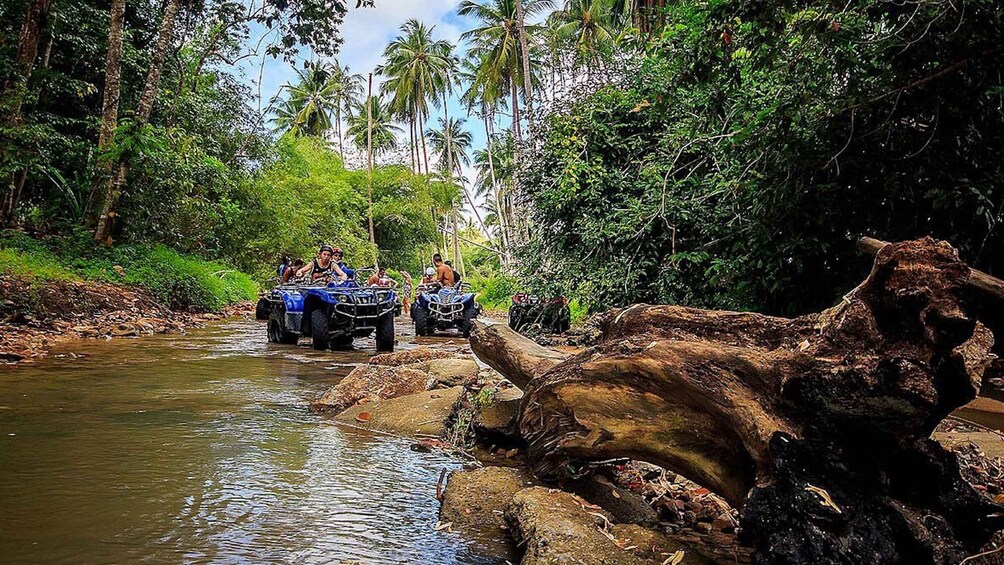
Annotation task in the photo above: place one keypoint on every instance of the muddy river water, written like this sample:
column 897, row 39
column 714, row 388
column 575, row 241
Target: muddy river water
column 200, row 448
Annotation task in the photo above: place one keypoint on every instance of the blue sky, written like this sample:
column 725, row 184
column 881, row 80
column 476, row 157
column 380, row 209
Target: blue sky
column 366, row 32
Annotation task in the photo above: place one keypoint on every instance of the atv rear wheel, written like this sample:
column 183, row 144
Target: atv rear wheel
column 515, row 319
column 421, row 318
column 385, row 332
column 564, row 322
column 277, row 332
column 319, row 329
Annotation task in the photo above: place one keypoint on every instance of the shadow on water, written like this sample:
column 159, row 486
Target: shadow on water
column 200, row 448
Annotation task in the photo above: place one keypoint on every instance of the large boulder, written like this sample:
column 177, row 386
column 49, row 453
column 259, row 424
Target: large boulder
column 409, row 356
column 498, row 416
column 449, row 372
column 474, row 500
column 558, row 527
column 371, row 382
column 626, row 506
column 424, row 413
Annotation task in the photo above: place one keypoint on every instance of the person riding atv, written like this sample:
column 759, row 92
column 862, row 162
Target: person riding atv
column 327, row 264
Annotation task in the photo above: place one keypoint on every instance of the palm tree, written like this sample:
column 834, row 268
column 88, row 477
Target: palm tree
column 496, row 49
column 591, row 25
column 345, row 91
column 307, row 109
column 450, row 144
column 495, row 167
column 418, row 70
column 384, row 130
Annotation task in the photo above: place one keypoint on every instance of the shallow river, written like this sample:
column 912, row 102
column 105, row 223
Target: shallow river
column 199, row 448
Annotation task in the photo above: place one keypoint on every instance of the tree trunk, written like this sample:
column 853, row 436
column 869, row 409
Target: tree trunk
column 369, row 152
column 144, row 108
column 421, row 132
column 109, row 103
column 503, row 236
column 13, row 91
column 411, row 141
column 16, row 86
column 525, row 56
column 816, row 428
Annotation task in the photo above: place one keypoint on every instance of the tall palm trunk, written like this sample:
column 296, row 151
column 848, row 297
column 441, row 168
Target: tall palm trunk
column 503, row 236
column 421, row 133
column 525, row 55
column 411, row 140
column 515, row 115
column 448, row 139
column 369, row 151
column 338, row 130
column 109, row 102
column 114, row 188
column 14, row 90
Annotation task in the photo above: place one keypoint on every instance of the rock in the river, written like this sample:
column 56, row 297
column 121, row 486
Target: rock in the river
column 626, row 506
column 557, row 527
column 498, row 417
column 445, row 373
column 474, row 500
column 655, row 546
column 424, row 413
column 371, row 382
column 417, row 355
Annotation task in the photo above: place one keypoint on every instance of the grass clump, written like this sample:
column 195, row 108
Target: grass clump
column 181, row 282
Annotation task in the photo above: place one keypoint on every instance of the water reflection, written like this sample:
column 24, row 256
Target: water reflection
column 199, row 448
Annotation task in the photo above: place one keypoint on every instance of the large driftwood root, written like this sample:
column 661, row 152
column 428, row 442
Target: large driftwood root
column 816, row 428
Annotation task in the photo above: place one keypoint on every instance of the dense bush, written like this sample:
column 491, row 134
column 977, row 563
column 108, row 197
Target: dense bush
column 754, row 141
column 178, row 281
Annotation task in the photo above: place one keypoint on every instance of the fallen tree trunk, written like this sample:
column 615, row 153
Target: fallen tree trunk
column 816, row 428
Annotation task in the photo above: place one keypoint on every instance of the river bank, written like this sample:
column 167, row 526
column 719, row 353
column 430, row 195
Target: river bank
column 35, row 318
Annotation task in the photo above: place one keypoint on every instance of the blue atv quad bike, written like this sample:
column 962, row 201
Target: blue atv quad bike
column 442, row 308
column 332, row 314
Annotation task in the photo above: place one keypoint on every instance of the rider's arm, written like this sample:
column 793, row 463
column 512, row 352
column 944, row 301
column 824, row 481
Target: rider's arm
column 338, row 271
column 304, row 269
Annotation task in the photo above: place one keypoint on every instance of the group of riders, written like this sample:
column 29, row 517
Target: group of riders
column 329, row 266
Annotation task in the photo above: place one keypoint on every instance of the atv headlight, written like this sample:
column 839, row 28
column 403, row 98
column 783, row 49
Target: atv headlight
column 342, row 298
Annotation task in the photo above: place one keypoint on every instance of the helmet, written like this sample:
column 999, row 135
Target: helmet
column 337, row 251
column 430, row 272
column 327, row 248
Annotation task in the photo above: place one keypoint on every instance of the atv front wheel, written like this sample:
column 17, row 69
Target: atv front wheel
column 319, row 329
column 342, row 342
column 468, row 321
column 421, row 318
column 277, row 327
column 385, row 332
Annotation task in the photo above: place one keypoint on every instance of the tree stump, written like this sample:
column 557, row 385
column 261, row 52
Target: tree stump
column 816, row 428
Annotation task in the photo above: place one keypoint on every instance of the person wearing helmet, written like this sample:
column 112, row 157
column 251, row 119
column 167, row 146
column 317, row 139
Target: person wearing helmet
column 430, row 276
column 324, row 266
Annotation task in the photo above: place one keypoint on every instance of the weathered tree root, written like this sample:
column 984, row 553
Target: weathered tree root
column 816, row 428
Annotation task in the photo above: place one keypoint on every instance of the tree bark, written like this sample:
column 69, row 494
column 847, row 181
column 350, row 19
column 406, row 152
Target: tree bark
column 16, row 86
column 525, row 56
column 816, row 428
column 109, row 103
column 144, row 108
column 369, row 153
column 14, row 90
